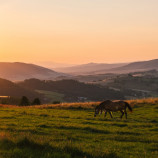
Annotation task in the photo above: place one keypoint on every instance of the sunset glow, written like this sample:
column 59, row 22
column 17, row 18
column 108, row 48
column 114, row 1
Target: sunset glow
column 74, row 32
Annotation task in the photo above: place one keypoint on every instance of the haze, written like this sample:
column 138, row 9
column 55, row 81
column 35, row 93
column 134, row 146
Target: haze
column 74, row 32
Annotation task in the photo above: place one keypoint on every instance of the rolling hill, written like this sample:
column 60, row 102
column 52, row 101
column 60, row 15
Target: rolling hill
column 95, row 69
column 88, row 69
column 62, row 90
column 21, row 71
column 72, row 90
column 8, row 88
column 133, row 67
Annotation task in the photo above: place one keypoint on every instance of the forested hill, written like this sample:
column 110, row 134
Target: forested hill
column 8, row 88
column 73, row 89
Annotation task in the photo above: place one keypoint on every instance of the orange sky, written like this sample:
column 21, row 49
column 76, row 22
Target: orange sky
column 72, row 31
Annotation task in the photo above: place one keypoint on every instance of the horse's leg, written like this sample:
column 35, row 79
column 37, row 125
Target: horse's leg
column 101, row 111
column 126, row 113
column 105, row 113
column 110, row 114
column 122, row 113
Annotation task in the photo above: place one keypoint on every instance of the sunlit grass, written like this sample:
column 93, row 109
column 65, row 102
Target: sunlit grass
column 70, row 131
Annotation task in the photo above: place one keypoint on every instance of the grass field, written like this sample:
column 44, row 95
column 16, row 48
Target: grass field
column 71, row 131
column 53, row 96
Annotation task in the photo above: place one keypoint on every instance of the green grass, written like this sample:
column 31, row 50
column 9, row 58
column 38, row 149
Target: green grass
column 53, row 96
column 75, row 133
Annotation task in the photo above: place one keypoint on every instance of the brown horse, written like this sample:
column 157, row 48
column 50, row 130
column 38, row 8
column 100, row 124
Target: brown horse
column 109, row 106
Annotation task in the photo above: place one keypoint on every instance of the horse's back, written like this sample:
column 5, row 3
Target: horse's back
column 115, row 106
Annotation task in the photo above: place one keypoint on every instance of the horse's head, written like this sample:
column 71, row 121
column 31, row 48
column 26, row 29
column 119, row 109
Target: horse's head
column 96, row 112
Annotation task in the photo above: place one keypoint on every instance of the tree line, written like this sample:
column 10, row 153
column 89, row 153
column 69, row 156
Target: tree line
column 24, row 101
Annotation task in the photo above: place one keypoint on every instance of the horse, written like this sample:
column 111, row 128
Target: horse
column 109, row 106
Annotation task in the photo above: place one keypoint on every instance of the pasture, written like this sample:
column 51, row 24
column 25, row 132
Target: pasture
column 60, row 131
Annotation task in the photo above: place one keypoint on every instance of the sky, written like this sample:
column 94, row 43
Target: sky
column 78, row 31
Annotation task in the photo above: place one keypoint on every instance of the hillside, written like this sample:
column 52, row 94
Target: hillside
column 89, row 68
column 73, row 90
column 133, row 67
column 8, row 88
column 63, row 90
column 21, row 71
column 140, row 84
column 102, row 68
column 131, row 85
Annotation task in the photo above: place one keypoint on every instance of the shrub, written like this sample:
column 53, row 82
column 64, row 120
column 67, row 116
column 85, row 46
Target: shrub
column 24, row 101
column 36, row 101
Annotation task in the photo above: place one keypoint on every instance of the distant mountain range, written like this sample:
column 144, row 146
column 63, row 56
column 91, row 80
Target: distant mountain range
column 52, row 65
column 137, row 66
column 90, row 68
column 21, row 71
column 94, row 68
column 137, row 79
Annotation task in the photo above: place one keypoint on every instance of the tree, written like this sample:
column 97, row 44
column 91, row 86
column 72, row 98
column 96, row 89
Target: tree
column 24, row 101
column 36, row 101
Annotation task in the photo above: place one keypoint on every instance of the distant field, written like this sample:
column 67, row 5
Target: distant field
column 71, row 131
column 53, row 96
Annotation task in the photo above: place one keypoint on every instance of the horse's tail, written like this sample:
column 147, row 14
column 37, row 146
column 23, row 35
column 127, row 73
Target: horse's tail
column 129, row 107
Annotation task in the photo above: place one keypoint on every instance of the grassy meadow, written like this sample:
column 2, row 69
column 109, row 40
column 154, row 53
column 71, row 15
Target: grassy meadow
column 53, row 96
column 71, row 131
